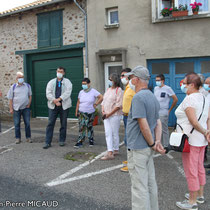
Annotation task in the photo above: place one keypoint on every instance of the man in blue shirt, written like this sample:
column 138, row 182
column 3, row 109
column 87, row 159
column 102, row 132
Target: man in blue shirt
column 143, row 138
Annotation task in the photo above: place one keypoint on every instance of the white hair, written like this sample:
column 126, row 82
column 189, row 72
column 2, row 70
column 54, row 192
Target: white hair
column 19, row 73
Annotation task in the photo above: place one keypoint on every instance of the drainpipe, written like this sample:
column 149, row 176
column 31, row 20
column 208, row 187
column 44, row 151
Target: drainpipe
column 86, row 44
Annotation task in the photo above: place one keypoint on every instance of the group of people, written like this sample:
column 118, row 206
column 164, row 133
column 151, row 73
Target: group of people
column 145, row 117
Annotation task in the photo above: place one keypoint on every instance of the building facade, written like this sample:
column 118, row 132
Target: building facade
column 125, row 33
column 37, row 38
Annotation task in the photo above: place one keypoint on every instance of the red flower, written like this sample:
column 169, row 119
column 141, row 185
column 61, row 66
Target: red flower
column 170, row 9
column 193, row 7
column 199, row 4
column 166, row 8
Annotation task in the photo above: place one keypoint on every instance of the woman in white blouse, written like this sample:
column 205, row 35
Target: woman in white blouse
column 187, row 115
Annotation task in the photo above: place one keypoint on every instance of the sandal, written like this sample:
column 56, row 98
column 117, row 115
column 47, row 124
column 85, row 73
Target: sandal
column 108, row 157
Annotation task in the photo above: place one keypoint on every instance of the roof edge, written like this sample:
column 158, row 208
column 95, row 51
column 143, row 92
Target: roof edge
column 31, row 7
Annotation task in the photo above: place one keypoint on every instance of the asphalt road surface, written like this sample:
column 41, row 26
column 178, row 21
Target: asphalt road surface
column 33, row 178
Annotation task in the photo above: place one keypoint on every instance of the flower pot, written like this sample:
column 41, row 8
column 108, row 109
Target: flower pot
column 195, row 12
column 179, row 13
column 95, row 121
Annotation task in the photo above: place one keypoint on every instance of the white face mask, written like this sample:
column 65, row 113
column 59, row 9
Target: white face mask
column 124, row 81
column 20, row 80
column 59, row 75
column 133, row 87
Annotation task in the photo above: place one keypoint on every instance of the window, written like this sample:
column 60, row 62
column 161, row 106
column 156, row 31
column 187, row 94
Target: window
column 184, row 67
column 160, row 67
column 50, row 29
column 113, row 16
column 175, row 3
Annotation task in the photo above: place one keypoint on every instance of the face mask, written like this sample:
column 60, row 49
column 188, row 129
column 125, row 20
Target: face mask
column 206, row 87
column 59, row 75
column 158, row 83
column 183, row 88
column 20, row 80
column 131, row 85
column 110, row 83
column 124, row 81
column 84, row 87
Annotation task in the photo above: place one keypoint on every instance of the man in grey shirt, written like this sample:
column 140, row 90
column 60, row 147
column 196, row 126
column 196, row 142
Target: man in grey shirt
column 164, row 93
column 143, row 138
column 20, row 96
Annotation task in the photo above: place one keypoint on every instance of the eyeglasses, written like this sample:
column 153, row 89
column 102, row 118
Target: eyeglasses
column 110, row 79
column 122, row 75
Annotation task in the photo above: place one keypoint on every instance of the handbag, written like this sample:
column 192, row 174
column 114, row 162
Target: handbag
column 180, row 141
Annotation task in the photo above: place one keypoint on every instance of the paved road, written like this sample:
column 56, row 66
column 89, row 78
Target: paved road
column 28, row 174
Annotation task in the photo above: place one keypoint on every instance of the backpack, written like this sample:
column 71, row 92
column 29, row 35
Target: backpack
column 15, row 85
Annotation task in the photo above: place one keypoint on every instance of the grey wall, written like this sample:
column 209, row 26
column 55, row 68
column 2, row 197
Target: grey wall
column 142, row 38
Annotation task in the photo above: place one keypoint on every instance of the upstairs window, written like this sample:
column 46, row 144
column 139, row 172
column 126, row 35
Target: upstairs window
column 50, row 29
column 205, row 8
column 113, row 16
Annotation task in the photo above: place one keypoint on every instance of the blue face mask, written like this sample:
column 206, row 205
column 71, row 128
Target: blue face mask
column 183, row 88
column 158, row 83
column 20, row 80
column 85, row 87
column 110, row 83
column 206, row 87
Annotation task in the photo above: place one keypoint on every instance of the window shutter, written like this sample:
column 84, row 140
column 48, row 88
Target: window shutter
column 56, row 28
column 43, row 30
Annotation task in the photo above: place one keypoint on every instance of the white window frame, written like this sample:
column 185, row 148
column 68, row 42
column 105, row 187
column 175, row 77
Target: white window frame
column 159, row 7
column 109, row 16
column 106, row 71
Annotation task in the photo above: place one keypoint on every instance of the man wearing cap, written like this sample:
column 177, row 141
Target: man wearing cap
column 20, row 96
column 143, row 138
column 164, row 93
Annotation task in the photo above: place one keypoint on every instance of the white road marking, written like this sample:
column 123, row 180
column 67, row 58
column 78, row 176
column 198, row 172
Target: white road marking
column 9, row 149
column 7, row 130
column 59, row 182
column 79, row 167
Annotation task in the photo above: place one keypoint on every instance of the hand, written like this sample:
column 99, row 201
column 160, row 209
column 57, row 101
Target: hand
column 76, row 114
column 94, row 105
column 207, row 135
column 28, row 106
column 58, row 104
column 55, row 101
column 11, row 111
column 160, row 148
column 103, row 113
column 108, row 115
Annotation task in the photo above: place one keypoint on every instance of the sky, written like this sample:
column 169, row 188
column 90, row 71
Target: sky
column 9, row 4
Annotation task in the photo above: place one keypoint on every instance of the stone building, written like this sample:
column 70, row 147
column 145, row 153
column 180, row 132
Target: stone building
column 124, row 33
column 37, row 38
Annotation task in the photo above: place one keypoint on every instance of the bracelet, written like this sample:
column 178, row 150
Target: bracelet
column 152, row 145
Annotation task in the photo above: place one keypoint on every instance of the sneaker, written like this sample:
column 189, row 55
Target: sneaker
column 61, row 143
column 91, row 144
column 29, row 140
column 124, row 169
column 186, row 205
column 46, row 146
column 199, row 199
column 125, row 163
column 78, row 145
column 18, row 141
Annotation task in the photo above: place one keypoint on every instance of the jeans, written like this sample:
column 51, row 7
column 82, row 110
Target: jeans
column 53, row 114
column 26, row 118
column 125, row 118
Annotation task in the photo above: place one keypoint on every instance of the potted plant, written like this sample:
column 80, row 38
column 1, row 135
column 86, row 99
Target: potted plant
column 195, row 7
column 95, row 121
column 166, row 12
column 181, row 11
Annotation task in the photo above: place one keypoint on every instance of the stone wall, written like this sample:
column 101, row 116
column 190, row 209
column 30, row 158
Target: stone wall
column 19, row 32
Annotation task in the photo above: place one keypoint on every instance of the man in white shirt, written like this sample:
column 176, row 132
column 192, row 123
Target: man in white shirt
column 164, row 93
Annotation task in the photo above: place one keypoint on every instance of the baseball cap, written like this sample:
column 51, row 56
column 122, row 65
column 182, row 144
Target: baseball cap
column 141, row 72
